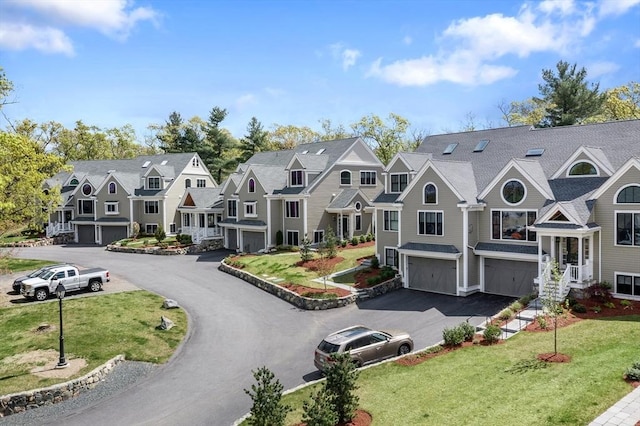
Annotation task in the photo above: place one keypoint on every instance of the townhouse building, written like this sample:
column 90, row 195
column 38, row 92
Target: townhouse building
column 493, row 210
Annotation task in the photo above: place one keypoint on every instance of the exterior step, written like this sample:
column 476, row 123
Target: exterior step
column 528, row 314
column 515, row 325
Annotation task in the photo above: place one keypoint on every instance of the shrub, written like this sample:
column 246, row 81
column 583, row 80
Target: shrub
column 124, row 243
column 610, row 305
column 516, row 306
column 524, row 300
column 597, row 309
column 163, row 244
column 579, row 308
column 542, row 322
column 266, row 395
column 343, row 243
column 505, row 314
column 626, row 304
column 375, row 263
column 468, row 330
column 160, row 234
column 354, row 241
column 279, row 238
column 305, row 250
column 147, row 242
column 633, row 372
column 341, row 385
column 368, row 238
column 184, row 239
column 373, row 281
column 492, row 333
column 599, row 291
column 362, row 239
column 319, row 411
column 453, row 336
column 387, row 273
column 135, row 230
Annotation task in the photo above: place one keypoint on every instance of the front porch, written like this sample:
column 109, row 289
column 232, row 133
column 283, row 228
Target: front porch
column 201, row 226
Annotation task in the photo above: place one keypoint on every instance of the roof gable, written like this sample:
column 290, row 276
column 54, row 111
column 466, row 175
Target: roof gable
column 632, row 163
column 530, row 170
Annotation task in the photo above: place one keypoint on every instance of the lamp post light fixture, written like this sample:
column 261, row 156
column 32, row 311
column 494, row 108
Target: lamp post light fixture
column 62, row 362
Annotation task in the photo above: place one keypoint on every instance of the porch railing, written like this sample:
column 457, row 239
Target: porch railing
column 578, row 274
column 549, row 287
column 56, row 228
column 199, row 234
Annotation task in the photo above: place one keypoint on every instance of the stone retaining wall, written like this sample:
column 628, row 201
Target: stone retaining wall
column 207, row 245
column 307, row 302
column 22, row 401
column 60, row 239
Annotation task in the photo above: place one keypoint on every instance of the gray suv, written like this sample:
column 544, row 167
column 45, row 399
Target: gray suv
column 363, row 344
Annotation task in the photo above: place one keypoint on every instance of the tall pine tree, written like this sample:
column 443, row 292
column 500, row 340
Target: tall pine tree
column 256, row 139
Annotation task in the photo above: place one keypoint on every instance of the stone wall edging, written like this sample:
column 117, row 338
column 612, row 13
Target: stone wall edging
column 383, row 288
column 205, row 246
column 34, row 398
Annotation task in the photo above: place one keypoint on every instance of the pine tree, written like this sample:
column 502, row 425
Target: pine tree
column 341, row 384
column 267, row 409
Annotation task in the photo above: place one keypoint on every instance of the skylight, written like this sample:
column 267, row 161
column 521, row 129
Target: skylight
column 163, row 162
column 481, row 145
column 535, row 152
column 306, row 151
column 320, row 151
column 146, row 164
column 449, row 149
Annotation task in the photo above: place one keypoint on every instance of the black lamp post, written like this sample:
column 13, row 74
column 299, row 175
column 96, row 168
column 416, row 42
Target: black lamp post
column 62, row 362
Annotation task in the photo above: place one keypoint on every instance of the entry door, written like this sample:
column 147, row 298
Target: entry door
column 345, row 226
column 567, row 251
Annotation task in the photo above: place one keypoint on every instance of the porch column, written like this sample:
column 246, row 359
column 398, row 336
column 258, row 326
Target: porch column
column 305, row 225
column 580, row 259
column 465, row 248
column 268, row 242
column 540, row 257
column 352, row 224
column 399, row 229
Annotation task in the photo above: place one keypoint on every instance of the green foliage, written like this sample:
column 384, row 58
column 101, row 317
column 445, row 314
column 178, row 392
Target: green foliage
column 375, row 263
column 516, row 306
column 599, row 291
column 305, row 250
column 542, row 321
column 386, row 139
column 160, row 234
column 568, row 97
column 468, row 330
column 267, row 408
column 505, row 314
column 320, row 411
column 633, row 372
column 354, row 241
column 579, row 308
column 626, row 304
column 279, row 238
column 330, row 244
column 453, row 336
column 341, row 385
column 596, row 309
column 362, row 239
column 343, row 243
column 610, row 305
column 184, row 239
column 492, row 333
column 369, row 237
column 256, row 140
column 371, row 281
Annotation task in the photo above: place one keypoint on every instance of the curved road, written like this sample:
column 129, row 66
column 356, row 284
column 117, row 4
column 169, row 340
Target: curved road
column 235, row 328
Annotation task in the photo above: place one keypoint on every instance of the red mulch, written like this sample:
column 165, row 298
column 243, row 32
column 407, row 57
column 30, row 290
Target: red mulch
column 553, row 357
column 302, row 290
column 419, row 358
column 362, row 418
column 362, row 277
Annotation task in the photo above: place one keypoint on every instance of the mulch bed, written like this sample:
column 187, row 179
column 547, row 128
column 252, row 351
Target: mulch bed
column 420, row 357
column 303, row 291
column 361, row 418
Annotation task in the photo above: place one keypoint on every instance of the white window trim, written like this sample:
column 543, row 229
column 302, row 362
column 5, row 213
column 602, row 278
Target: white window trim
column 146, row 225
column 510, row 210
column 111, row 203
column 615, row 196
column 384, row 222
column 286, row 209
column 368, row 171
column 115, row 188
column 384, row 254
column 82, row 189
column 424, row 199
column 287, row 235
column 615, row 227
column 418, row 223
column 150, row 178
column 249, row 181
column 615, row 284
column 524, row 196
column 580, row 176
column 199, row 181
column 254, row 205
column 391, row 175
column 318, row 231
column 236, row 209
column 303, row 177
column 148, row 202
column 350, row 177
column 355, row 220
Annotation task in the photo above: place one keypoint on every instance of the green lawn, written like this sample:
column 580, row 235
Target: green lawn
column 500, row 384
column 11, row 265
column 95, row 328
column 282, row 265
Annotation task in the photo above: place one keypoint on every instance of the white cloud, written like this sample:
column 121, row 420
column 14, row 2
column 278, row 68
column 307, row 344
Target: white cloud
column 598, row 69
column 23, row 36
column 41, row 24
column 616, row 7
column 471, row 47
column 347, row 57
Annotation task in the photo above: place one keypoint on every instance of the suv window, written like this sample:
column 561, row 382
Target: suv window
column 378, row 337
column 358, row 343
column 327, row 347
column 59, row 275
column 71, row 273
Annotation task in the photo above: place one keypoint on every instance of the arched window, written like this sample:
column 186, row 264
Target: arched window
column 86, row 189
column 112, row 188
column 513, row 192
column 251, row 185
column 345, row 177
column 430, row 194
column 358, row 206
column 187, row 183
column 629, row 194
column 74, row 182
column 583, row 168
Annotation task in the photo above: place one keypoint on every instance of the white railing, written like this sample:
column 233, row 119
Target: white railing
column 578, row 274
column 56, row 228
column 557, row 289
column 199, row 234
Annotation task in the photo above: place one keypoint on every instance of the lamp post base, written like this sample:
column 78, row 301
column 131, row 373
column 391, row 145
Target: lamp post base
column 62, row 365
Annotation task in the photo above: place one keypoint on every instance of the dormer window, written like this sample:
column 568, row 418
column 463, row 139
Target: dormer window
column 74, row 182
column 297, row 178
column 251, row 185
column 112, row 188
column 195, row 162
column 345, row 177
column 187, row 183
column 399, row 182
column 583, row 168
column 629, row 195
column 153, row 182
column 86, row 189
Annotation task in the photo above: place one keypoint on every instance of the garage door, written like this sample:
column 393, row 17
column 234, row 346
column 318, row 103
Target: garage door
column 86, row 234
column 508, row 277
column 252, row 241
column 232, row 239
column 436, row 275
column 113, row 233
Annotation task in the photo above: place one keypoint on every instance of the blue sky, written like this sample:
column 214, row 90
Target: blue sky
column 116, row 62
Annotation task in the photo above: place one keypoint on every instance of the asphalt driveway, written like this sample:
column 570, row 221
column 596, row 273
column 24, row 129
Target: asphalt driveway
column 235, row 328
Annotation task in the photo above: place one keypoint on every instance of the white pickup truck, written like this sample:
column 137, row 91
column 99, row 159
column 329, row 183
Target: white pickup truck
column 42, row 286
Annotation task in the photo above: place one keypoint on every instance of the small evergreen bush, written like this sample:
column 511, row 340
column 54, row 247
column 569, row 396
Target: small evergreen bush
column 319, row 411
column 341, row 385
column 354, row 241
column 375, row 263
column 516, row 306
column 267, row 409
column 279, row 238
column 453, row 336
column 160, row 234
column 468, row 331
column 579, row 308
column 368, row 238
column 506, row 314
column 633, row 372
column 491, row 334
column 343, row 243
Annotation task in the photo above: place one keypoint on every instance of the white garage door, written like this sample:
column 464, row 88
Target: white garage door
column 509, row 277
column 436, row 275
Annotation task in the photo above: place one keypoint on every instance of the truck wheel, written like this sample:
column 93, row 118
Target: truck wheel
column 41, row 294
column 95, row 286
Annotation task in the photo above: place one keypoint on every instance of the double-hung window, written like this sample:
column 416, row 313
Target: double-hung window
column 250, row 209
column 111, row 207
column 153, row 182
column 151, row 207
column 391, row 256
column 232, row 208
column 297, row 178
column 292, row 208
column 292, row 238
column 368, row 178
column 628, row 228
column 398, row 182
column 390, row 220
column 430, row 223
column 85, row 206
